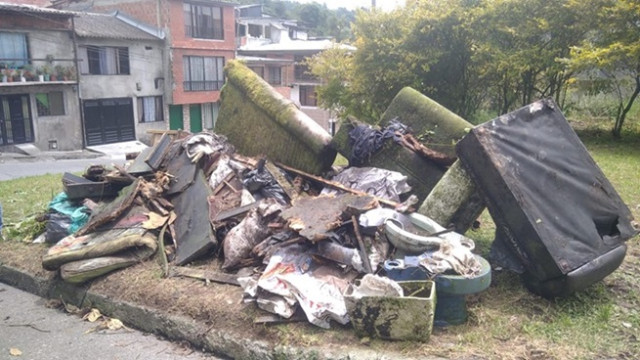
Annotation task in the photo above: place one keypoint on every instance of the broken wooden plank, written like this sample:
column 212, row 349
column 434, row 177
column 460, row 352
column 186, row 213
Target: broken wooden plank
column 282, row 180
column 226, row 214
column 277, row 319
column 112, row 210
column 183, row 172
column 77, row 187
column 139, row 166
column 157, row 155
column 363, row 250
column 206, row 275
column 194, row 234
column 337, row 185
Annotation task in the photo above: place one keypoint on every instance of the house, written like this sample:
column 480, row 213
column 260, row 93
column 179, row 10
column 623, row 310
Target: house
column 121, row 77
column 38, row 89
column 200, row 38
column 277, row 49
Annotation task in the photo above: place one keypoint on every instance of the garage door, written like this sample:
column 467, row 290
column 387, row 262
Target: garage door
column 109, row 121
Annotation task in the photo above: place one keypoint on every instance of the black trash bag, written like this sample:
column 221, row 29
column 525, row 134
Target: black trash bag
column 260, row 181
column 366, row 141
column 57, row 227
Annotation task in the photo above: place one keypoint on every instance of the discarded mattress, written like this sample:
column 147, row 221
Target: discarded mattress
column 557, row 216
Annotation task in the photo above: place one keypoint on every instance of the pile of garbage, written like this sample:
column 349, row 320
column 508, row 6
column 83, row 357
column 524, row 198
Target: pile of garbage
column 334, row 246
column 288, row 238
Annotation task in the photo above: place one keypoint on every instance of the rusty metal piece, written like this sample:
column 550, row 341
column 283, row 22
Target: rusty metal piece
column 314, row 218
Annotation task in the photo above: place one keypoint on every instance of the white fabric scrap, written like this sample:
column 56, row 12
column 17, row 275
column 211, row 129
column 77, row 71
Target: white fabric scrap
column 453, row 256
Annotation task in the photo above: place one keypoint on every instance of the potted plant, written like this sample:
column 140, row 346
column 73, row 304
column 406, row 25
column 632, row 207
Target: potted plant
column 70, row 73
column 46, row 72
column 59, row 71
column 27, row 73
column 5, row 75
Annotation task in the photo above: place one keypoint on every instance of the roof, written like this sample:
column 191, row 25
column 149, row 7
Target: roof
column 262, row 60
column 296, row 45
column 31, row 9
column 114, row 26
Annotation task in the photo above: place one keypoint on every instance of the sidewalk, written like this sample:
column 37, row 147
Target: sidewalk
column 115, row 151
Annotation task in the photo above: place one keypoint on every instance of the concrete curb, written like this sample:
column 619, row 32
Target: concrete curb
column 210, row 339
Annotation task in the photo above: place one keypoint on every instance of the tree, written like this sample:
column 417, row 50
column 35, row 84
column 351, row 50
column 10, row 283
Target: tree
column 610, row 54
column 399, row 48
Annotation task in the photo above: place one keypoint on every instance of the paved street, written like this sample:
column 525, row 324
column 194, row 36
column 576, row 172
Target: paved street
column 13, row 169
column 39, row 333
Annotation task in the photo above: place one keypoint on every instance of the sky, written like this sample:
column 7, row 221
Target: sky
column 354, row 4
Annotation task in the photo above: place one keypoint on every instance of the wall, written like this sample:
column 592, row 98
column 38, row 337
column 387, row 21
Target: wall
column 146, row 65
column 65, row 129
column 183, row 46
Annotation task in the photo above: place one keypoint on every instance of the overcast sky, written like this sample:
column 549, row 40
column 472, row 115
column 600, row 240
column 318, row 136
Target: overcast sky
column 354, row 4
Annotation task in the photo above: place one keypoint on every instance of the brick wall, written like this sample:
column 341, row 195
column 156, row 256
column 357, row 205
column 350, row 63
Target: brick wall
column 144, row 10
column 18, row 22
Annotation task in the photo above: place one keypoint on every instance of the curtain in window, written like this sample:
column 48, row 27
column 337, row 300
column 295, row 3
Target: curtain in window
column 108, row 64
column 197, row 73
column 149, row 109
column 14, row 46
column 83, row 60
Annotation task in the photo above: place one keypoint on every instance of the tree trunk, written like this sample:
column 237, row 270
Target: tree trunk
column 617, row 129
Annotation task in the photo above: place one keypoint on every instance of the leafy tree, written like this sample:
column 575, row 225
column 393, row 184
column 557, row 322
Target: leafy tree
column 610, row 53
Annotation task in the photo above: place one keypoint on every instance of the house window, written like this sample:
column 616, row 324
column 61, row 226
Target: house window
column 203, row 21
column 258, row 70
column 203, row 73
column 255, row 30
column 308, row 96
column 101, row 60
column 50, row 104
column 150, row 109
column 275, row 75
column 210, row 115
column 302, row 70
column 13, row 48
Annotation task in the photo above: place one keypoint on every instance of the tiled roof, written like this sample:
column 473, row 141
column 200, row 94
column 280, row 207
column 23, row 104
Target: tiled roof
column 108, row 26
column 31, row 9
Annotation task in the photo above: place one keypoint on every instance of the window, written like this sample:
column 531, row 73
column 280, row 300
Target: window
column 50, row 104
column 203, row 21
column 99, row 60
column 13, row 48
column 275, row 75
column 258, row 70
column 255, row 30
column 302, row 70
column 210, row 115
column 308, row 96
column 203, row 73
column 150, row 109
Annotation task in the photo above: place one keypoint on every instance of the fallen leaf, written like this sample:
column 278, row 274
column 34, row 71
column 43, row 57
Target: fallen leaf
column 92, row 316
column 114, row 324
column 15, row 352
column 155, row 221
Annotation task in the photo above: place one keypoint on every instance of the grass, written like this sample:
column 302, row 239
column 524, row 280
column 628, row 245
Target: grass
column 506, row 321
column 23, row 200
